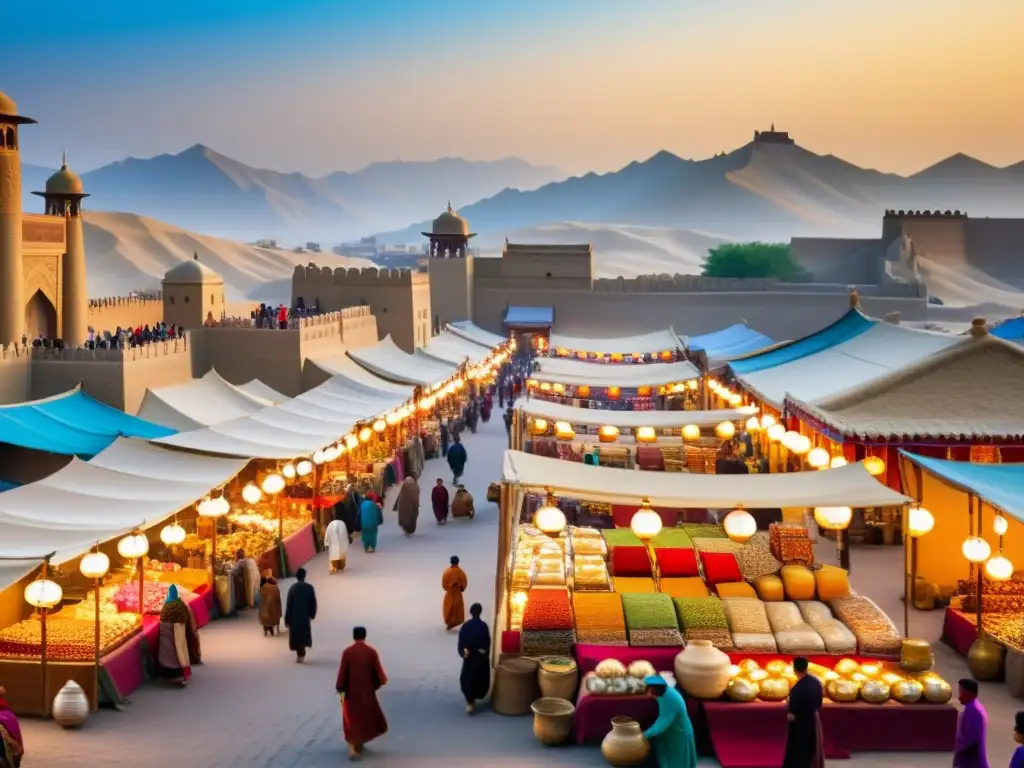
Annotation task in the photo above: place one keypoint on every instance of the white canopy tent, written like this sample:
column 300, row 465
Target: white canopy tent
column 257, row 388
column 624, row 376
column 544, row 409
column 850, row 486
column 452, row 348
column 355, row 376
column 644, row 343
column 199, row 403
column 386, row 360
column 469, row 330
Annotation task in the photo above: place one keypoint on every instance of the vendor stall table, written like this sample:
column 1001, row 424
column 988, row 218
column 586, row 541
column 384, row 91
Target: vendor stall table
column 125, row 670
column 959, row 630
column 299, row 548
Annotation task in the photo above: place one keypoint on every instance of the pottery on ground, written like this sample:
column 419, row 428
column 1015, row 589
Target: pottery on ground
column 625, row 744
column 985, row 659
column 702, row 670
column 558, row 678
column 70, row 705
column 552, row 720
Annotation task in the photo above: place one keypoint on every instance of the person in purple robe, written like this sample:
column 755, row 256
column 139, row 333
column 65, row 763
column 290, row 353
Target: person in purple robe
column 971, row 728
column 439, row 501
column 1017, row 761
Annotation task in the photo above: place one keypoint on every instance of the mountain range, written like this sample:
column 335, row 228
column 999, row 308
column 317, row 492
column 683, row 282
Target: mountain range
column 202, row 190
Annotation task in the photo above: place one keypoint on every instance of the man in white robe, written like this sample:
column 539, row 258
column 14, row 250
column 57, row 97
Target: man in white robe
column 336, row 540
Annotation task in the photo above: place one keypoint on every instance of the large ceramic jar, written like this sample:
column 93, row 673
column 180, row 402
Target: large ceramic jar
column 552, row 720
column 559, row 678
column 70, row 705
column 625, row 744
column 702, row 670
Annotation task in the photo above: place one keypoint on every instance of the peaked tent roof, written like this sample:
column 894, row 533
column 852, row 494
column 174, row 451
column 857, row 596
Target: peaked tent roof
column 199, row 403
column 545, row 409
column 386, row 360
column 452, row 348
column 644, row 343
column 71, row 424
column 1010, row 330
column 343, row 367
column 469, row 330
column 257, row 388
column 998, row 485
column 729, row 343
column 938, row 396
column 851, row 485
column 847, row 327
column 577, row 372
column 869, row 355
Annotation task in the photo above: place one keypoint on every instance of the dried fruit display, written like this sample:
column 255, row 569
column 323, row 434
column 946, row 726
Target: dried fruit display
column 67, row 639
column 599, row 618
column 126, row 598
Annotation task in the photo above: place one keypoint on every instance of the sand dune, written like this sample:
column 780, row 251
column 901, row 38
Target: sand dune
column 962, row 285
column 126, row 252
column 619, row 249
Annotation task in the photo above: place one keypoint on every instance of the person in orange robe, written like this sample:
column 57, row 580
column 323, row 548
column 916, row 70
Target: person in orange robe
column 454, row 583
column 360, row 676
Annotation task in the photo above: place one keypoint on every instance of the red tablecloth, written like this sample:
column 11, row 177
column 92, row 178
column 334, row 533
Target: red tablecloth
column 126, row 666
column 592, row 719
column 300, row 548
column 200, row 609
column 151, row 631
column 959, row 631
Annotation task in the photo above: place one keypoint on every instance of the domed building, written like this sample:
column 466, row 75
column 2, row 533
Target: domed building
column 193, row 294
column 449, row 235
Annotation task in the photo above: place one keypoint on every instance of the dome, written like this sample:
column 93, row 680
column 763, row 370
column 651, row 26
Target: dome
column 192, row 272
column 450, row 223
column 7, row 105
column 64, row 182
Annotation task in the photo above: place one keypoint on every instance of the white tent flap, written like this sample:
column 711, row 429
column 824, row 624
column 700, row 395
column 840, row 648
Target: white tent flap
column 644, row 343
column 358, row 376
column 619, row 375
column 199, row 403
column 469, row 330
column 385, row 359
column 544, row 409
column 452, row 348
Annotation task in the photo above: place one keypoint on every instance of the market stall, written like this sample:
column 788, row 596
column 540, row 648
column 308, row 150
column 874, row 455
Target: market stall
column 467, row 329
column 639, row 348
column 347, row 371
column 199, row 403
column 386, row 360
column 719, row 347
column 452, row 348
column 657, row 386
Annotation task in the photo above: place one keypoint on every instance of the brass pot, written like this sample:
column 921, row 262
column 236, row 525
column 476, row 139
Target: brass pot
column 936, row 690
column 774, row 689
column 741, row 689
column 874, row 692
column 842, row 690
column 552, row 720
column 916, row 655
column 985, row 659
column 907, row 691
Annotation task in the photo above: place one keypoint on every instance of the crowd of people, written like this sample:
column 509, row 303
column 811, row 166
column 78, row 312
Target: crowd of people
column 140, row 335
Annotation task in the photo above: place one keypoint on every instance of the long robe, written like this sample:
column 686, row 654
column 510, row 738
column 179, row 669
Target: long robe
column 439, row 501
column 172, row 652
column 408, row 505
column 347, row 510
column 12, row 745
column 251, row 580
column 299, row 612
column 457, row 459
column 475, row 652
column 370, row 518
column 970, row 750
column 672, row 733
column 454, row 583
column 336, row 541
column 270, row 604
column 360, row 676
column 804, row 744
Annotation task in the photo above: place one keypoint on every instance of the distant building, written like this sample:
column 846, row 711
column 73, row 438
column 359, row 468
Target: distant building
column 266, row 243
column 313, row 247
column 773, row 137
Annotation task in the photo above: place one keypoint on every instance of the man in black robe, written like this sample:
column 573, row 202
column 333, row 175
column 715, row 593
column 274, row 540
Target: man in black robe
column 299, row 612
column 804, row 748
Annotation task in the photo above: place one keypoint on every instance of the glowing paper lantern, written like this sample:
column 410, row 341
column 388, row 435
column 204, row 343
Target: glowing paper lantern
column 801, row 445
column 874, row 465
column 171, row 535
column 288, row 470
column 740, row 525
column 999, row 568
column 735, row 400
column 753, row 424
column 273, row 484
column 379, row 425
column 725, row 430
column 251, row 494
column 319, row 458
column 351, row 442
column 692, row 385
column 304, row 468
column 646, row 435
column 564, row 430
column 365, row 434
column 43, row 593
column 95, row 565
column 767, row 420
column 608, row 433
column 776, row 432
column 643, row 391
column 133, row 546
column 833, row 518
column 540, row 426
column 545, row 386
column 583, row 391
column 691, row 432
column 976, row 549
column 558, row 389
column 1000, row 525
column 818, row 458
column 613, row 393
column 331, row 453
column 920, row 522
column 646, row 523
column 550, row 519
column 837, row 462
column 392, row 418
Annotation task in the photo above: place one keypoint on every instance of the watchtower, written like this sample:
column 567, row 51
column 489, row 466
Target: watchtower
column 451, row 269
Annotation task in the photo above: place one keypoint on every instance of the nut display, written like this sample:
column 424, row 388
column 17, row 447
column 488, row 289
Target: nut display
column 67, row 639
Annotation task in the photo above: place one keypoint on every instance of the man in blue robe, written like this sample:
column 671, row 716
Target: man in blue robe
column 672, row 733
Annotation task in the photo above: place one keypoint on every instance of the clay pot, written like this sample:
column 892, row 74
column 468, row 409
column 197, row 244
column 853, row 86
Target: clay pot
column 559, row 678
column 985, row 659
column 552, row 720
column 702, row 670
column 70, row 705
column 625, row 744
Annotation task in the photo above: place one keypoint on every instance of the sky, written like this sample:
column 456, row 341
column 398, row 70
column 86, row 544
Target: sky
column 323, row 85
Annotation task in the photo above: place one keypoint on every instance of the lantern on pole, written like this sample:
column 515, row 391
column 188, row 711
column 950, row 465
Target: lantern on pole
column 94, row 566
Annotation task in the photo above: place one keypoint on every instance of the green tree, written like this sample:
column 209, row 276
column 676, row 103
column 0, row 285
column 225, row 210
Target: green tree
column 751, row 260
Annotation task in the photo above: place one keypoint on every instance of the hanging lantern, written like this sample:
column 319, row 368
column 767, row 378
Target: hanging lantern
column 351, row 442
column 801, row 445
column 549, row 518
column 788, row 439
column 920, row 522
column 818, row 458
column 776, row 433
column 740, row 525
column 319, row 457
column 1000, row 525
column 713, row 383
column 133, row 546
column 616, row 357
column 331, row 453
column 171, row 535
column 691, row 432
column 613, row 393
column 288, row 470
column 666, row 356
column 43, row 593
column 94, row 565
column 767, row 421
column 643, row 391
column 874, row 465
column 837, row 462
column 564, row 430
column 833, row 518
column 379, row 426
column 304, row 468
column 583, row 391
column 460, row 384
column 725, row 430
column 976, row 549
column 365, row 434
column 273, row 484
column 753, row 424
column 607, row 433
column 540, row 426
column 646, row 523
column 558, row 389
column 735, row 400
column 692, row 385
column 646, row 435
column 392, row 419
column 251, row 494
column 531, row 383
column 545, row 386
column 999, row 568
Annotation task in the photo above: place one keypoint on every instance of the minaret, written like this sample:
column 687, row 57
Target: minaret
column 64, row 194
column 12, row 266
column 451, row 269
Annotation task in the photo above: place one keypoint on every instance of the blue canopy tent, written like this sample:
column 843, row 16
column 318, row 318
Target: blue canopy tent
column 71, row 424
column 1010, row 330
column 735, row 341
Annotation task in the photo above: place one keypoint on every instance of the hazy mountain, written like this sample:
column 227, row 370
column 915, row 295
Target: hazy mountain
column 761, row 190
column 200, row 189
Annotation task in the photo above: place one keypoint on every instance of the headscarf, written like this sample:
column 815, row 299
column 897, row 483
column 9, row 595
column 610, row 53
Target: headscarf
column 174, row 611
column 172, row 594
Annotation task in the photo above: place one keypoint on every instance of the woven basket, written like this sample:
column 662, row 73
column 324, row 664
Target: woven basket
column 515, row 687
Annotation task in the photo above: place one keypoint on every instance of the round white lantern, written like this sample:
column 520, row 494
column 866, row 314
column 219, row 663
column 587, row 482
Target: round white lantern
column 564, row 430
column 331, row 453
column 550, row 519
column 767, row 421
column 392, row 419
column 691, row 432
column 273, row 484
column 251, row 494
column 303, row 468
column 837, row 462
column 920, row 522
column 735, row 400
column 753, row 424
column 776, row 432
column 351, row 442
column 646, row 523
column 288, row 470
column 94, row 565
column 833, row 518
column 976, row 549
column 999, row 569
column 172, row 534
column 818, row 458
column 646, row 435
column 380, row 425
column 221, row 506
column 725, row 430
column 319, row 458
column 1000, row 525
column 365, row 434
column 739, row 525
column 133, row 546
column 874, row 465
column 43, row 593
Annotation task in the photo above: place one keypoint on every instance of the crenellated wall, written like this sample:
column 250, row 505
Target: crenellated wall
column 125, row 312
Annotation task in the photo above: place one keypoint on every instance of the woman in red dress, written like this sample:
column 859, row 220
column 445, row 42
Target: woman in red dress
column 360, row 676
